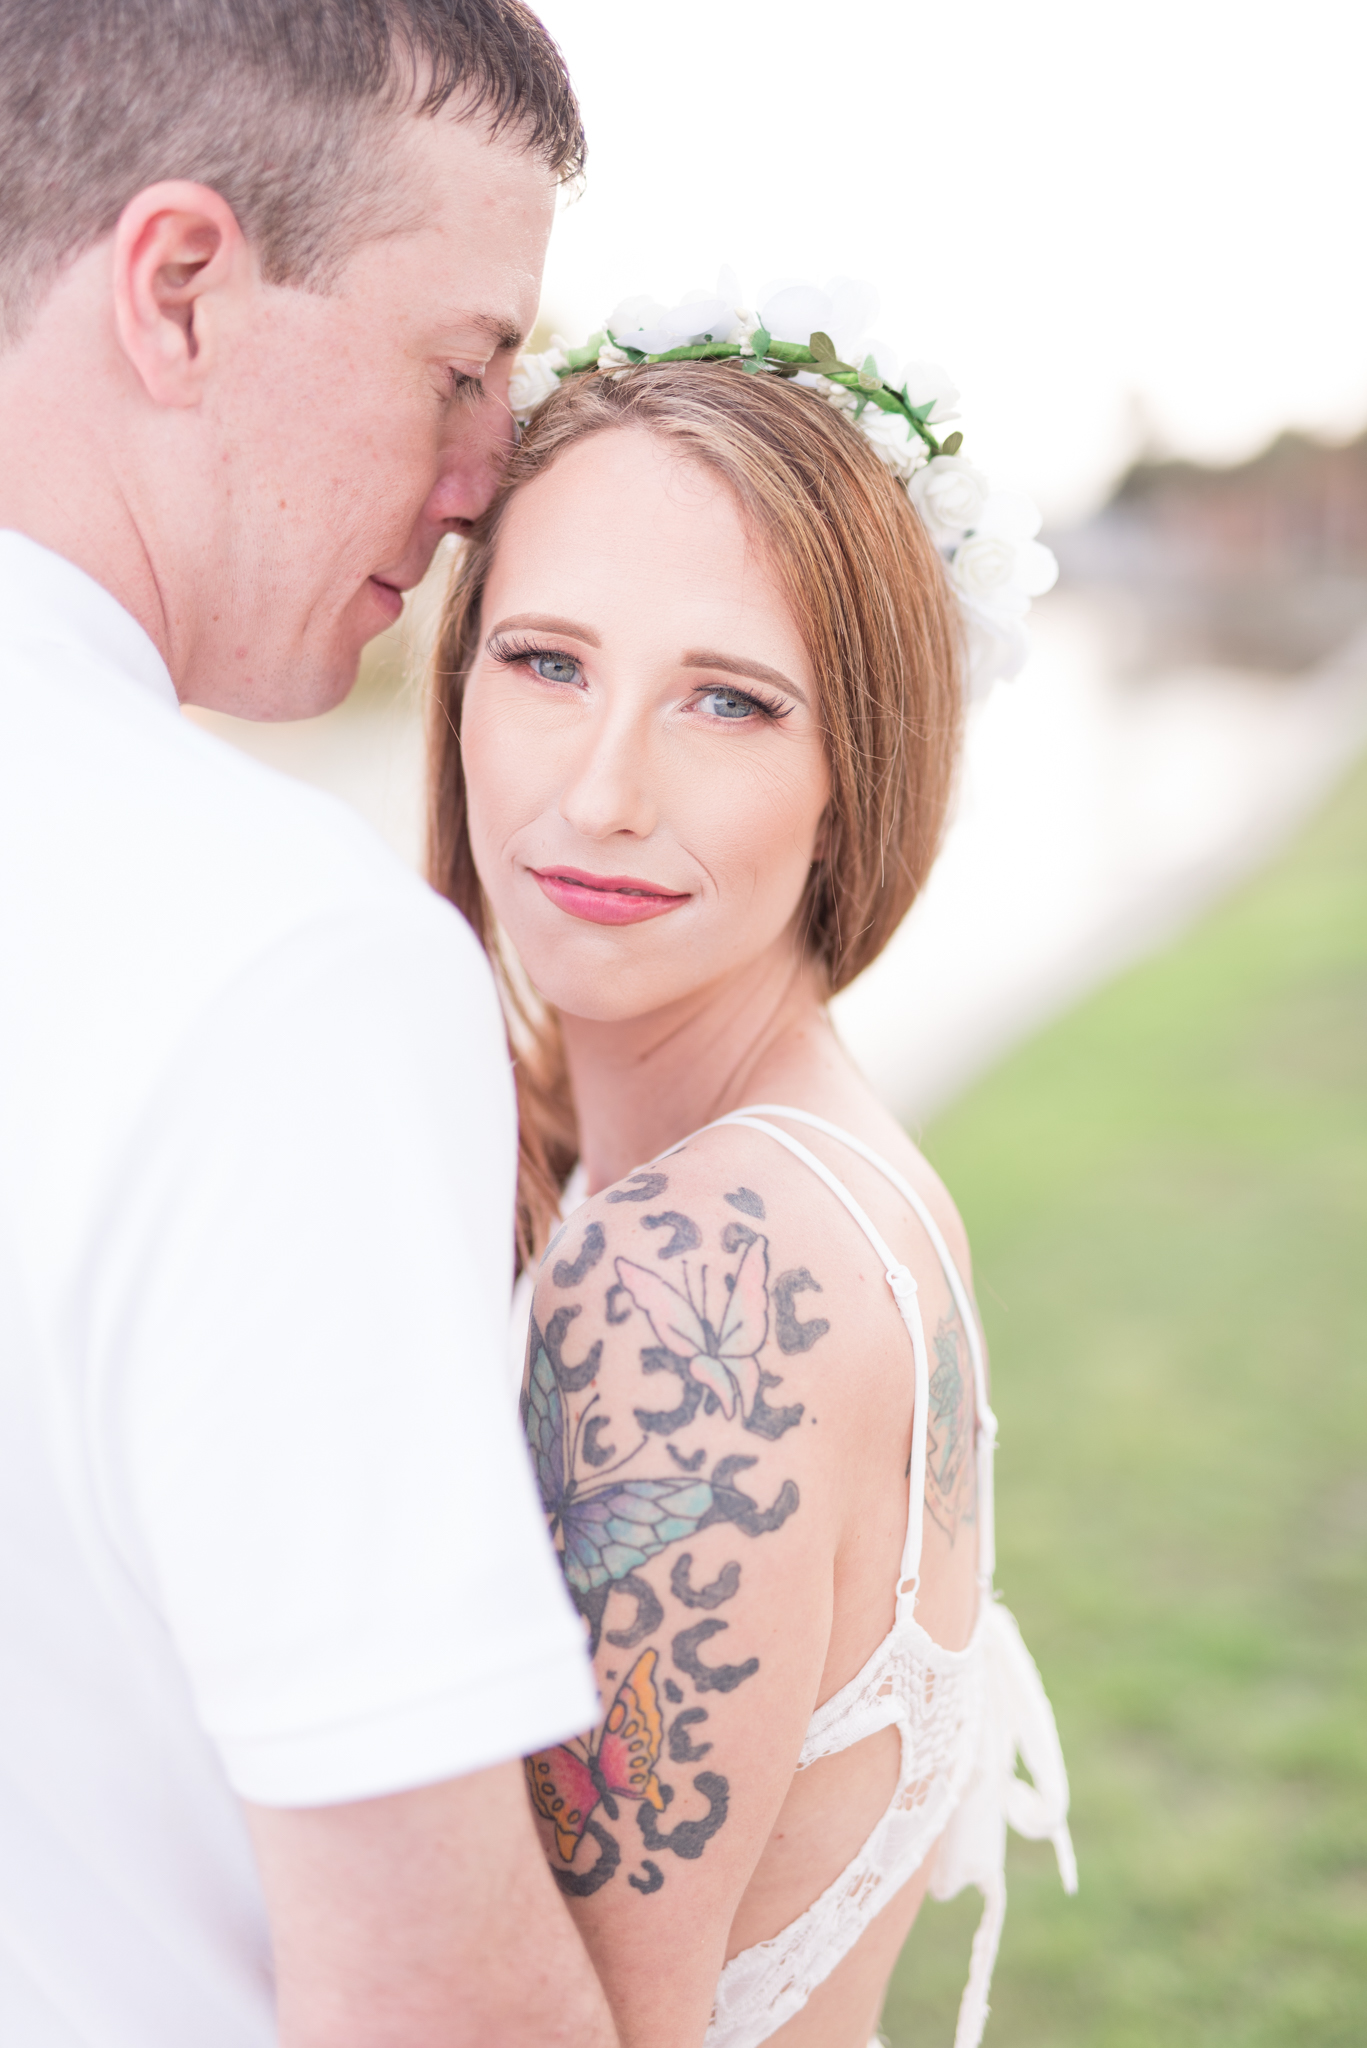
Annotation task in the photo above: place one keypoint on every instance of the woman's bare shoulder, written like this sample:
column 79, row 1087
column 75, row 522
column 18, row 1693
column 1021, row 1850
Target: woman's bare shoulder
column 715, row 1258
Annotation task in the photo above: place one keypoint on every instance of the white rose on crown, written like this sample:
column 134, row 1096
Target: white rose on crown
column 893, row 441
column 949, row 493
column 1000, row 566
column 534, row 379
column 654, row 329
column 983, row 569
column 843, row 309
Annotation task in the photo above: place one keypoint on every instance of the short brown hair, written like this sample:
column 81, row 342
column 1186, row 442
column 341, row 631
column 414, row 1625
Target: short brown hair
column 275, row 104
column 868, row 593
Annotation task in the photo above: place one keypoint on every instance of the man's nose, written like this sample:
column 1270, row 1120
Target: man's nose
column 472, row 462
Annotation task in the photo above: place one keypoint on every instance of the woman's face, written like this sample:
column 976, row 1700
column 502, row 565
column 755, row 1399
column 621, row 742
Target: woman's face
column 641, row 735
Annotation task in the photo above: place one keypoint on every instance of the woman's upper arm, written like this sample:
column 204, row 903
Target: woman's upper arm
column 685, row 1483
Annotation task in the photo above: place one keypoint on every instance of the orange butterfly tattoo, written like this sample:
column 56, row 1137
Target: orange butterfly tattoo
column 568, row 1783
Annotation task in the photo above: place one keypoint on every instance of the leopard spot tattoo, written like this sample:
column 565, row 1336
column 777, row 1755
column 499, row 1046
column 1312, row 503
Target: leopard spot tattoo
column 729, row 1504
column 582, row 1884
column 724, row 1587
column 591, row 1450
column 686, row 1234
column 748, row 1202
column 572, row 1379
column 567, row 1274
column 664, row 1421
column 643, row 1187
column 649, row 1613
column 689, row 1464
column 672, row 1693
column 682, row 1748
column 708, row 1677
column 612, row 1308
column 734, row 1238
column 772, row 1422
column 792, row 1335
column 690, row 1837
column 653, row 1879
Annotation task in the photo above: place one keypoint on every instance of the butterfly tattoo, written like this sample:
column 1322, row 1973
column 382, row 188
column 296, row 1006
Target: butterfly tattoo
column 570, row 1782
column 612, row 1523
column 723, row 1356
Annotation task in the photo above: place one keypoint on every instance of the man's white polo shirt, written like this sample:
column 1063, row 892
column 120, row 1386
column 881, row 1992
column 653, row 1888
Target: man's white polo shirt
column 266, row 1523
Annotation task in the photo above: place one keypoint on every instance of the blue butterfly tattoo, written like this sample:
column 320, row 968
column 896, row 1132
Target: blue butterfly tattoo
column 610, row 1526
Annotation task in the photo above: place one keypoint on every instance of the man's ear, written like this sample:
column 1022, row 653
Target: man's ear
column 180, row 263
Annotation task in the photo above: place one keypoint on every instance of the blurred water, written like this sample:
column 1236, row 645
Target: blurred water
column 1097, row 812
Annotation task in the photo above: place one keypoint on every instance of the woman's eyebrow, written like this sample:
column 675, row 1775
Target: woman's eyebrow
column 737, row 665
column 541, row 622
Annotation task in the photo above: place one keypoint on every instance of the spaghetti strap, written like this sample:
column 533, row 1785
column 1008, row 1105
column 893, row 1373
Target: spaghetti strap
column 902, row 1282
column 987, row 1421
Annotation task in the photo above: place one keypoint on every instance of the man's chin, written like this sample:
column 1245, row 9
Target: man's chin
column 278, row 691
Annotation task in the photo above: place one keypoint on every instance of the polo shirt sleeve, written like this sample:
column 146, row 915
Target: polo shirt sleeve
column 305, row 1441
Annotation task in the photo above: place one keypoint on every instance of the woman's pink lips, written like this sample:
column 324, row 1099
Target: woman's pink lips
column 605, row 899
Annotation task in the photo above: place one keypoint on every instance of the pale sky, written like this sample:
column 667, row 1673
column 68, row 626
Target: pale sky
column 1094, row 214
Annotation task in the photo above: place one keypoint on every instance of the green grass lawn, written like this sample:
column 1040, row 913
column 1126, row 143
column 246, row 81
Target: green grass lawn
column 1167, row 1196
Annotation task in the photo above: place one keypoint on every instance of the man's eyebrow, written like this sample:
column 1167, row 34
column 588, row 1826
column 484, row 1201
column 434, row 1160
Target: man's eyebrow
column 738, row 665
column 494, row 331
column 504, row 334
column 540, row 622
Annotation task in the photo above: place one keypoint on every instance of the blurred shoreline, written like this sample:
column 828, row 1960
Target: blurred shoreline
column 1099, row 812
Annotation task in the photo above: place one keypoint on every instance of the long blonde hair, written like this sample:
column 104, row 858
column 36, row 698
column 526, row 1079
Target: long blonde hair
column 868, row 594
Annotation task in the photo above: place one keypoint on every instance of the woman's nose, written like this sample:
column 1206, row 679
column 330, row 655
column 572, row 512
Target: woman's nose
column 610, row 789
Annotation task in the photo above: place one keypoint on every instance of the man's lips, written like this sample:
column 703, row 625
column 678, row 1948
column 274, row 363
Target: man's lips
column 387, row 594
column 606, row 899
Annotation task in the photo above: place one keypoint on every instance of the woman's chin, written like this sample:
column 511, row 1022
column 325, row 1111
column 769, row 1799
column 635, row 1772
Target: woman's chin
column 599, row 991
column 590, row 1002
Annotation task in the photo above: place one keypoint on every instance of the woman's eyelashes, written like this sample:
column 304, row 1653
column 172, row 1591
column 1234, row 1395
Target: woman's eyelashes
column 724, row 702
column 548, row 664
column 721, row 703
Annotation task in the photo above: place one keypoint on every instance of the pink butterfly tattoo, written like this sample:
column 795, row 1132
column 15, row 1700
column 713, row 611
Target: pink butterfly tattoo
column 722, row 1355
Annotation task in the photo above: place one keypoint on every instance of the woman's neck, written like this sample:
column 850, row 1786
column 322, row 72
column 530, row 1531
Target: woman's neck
column 642, row 1083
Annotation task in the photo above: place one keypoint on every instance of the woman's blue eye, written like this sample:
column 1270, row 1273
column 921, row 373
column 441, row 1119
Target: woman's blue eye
column 729, row 704
column 554, row 668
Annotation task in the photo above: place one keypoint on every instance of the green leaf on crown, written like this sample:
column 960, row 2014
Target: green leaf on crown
column 760, row 341
column 584, row 358
column 697, row 352
column 869, row 378
column 952, row 444
column 825, row 358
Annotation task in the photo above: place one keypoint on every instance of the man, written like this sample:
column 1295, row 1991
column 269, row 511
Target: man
column 277, row 1610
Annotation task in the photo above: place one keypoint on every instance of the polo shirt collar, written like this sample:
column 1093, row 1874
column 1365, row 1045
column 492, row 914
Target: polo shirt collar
column 46, row 598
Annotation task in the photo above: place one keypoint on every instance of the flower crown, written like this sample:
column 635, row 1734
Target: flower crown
column 986, row 538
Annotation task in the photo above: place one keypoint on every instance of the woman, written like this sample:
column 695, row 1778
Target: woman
column 697, row 711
